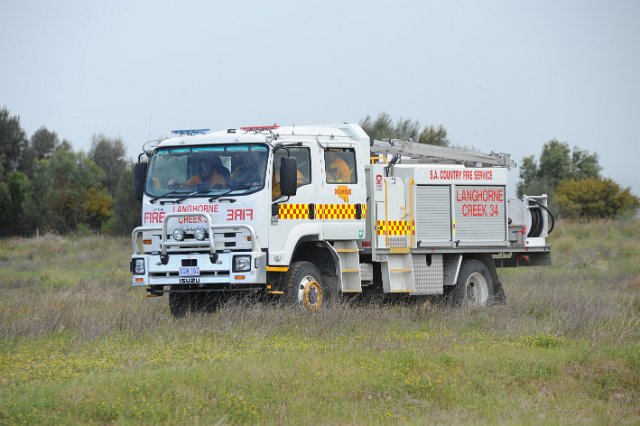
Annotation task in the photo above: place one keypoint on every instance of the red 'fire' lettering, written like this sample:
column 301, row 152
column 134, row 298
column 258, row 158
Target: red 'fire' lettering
column 154, row 217
column 239, row 214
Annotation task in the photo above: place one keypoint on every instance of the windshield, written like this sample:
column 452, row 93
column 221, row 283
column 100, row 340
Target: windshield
column 195, row 171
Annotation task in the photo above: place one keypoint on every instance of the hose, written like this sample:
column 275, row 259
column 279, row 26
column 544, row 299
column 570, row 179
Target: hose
column 536, row 223
column 537, row 218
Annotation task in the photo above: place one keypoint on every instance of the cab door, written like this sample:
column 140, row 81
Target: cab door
column 292, row 218
column 341, row 202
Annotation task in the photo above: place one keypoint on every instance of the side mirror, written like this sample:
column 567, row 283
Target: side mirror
column 140, row 176
column 288, row 176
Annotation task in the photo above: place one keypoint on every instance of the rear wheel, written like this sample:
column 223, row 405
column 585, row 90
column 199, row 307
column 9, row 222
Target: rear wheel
column 304, row 286
column 475, row 284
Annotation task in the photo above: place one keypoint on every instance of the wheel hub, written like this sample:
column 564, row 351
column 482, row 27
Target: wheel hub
column 477, row 290
column 310, row 294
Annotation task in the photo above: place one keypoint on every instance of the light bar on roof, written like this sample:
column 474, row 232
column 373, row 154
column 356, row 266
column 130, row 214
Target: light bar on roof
column 258, row 128
column 190, row 132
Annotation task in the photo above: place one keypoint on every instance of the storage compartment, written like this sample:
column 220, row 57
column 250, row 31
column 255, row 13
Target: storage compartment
column 480, row 214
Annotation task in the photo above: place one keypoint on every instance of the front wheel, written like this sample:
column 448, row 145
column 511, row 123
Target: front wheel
column 304, row 286
column 475, row 284
column 180, row 303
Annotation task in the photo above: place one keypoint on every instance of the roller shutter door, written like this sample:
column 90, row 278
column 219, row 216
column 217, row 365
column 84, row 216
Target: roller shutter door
column 433, row 213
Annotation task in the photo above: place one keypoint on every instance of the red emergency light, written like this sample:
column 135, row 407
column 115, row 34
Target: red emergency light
column 259, row 128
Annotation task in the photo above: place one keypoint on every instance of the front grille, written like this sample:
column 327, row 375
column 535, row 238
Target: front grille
column 237, row 241
column 202, row 274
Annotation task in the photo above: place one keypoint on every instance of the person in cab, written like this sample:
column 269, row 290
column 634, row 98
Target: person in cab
column 338, row 170
column 211, row 172
column 275, row 181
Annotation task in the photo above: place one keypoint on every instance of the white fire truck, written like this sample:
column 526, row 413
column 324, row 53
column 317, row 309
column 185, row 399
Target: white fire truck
column 311, row 213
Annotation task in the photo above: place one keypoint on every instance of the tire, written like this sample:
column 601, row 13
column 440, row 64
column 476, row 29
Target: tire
column 475, row 285
column 210, row 301
column 304, row 286
column 180, row 303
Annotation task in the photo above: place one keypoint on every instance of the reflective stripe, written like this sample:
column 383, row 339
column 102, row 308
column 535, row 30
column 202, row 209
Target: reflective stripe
column 322, row 211
column 396, row 227
column 336, row 211
column 293, row 211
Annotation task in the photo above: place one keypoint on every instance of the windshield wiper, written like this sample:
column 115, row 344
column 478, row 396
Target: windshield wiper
column 185, row 195
column 249, row 186
column 222, row 194
column 191, row 194
column 168, row 194
column 230, row 190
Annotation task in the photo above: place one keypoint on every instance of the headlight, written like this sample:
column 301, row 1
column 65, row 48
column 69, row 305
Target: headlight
column 138, row 266
column 241, row 263
column 199, row 234
column 178, row 234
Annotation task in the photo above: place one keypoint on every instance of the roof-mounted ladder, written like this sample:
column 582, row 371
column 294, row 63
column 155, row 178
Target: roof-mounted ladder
column 439, row 154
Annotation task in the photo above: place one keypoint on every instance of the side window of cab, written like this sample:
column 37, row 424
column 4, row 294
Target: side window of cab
column 303, row 163
column 340, row 165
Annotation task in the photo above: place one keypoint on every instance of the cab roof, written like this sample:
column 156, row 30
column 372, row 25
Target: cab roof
column 343, row 132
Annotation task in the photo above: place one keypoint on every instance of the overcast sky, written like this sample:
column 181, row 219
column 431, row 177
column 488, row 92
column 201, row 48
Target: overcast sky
column 498, row 75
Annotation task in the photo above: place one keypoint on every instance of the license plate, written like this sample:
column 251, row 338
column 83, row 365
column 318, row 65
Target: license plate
column 189, row 271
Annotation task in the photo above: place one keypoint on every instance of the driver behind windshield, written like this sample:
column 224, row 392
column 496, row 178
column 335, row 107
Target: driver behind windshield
column 211, row 172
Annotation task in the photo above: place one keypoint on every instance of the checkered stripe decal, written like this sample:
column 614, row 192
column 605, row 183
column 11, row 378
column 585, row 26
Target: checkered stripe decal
column 293, row 211
column 396, row 227
column 336, row 211
column 322, row 211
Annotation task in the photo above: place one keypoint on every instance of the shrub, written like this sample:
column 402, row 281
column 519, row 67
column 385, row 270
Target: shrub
column 594, row 197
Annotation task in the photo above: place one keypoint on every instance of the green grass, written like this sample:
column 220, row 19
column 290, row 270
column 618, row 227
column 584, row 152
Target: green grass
column 79, row 346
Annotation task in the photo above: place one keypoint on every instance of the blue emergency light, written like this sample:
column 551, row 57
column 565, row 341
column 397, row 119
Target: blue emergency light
column 190, row 132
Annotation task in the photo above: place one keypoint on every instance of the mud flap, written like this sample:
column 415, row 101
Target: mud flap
column 498, row 297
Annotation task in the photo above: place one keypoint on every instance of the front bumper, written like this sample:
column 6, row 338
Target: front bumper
column 163, row 262
column 211, row 271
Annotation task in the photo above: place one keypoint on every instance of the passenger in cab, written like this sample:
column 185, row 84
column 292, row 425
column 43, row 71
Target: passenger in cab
column 338, row 171
column 211, row 172
column 275, row 181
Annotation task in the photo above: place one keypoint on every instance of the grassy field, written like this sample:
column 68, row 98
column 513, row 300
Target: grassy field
column 79, row 346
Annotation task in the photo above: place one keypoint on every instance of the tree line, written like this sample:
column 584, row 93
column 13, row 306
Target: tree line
column 383, row 127
column 572, row 180
column 46, row 185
